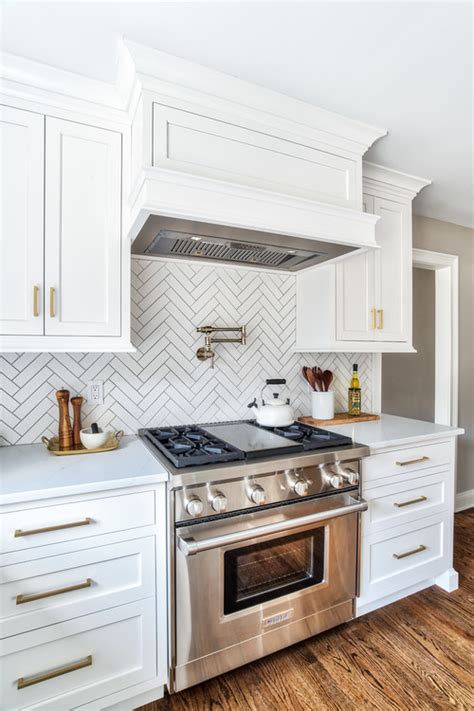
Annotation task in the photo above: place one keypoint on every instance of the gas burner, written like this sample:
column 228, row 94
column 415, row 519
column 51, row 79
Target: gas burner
column 188, row 445
column 310, row 437
column 290, row 432
column 179, row 446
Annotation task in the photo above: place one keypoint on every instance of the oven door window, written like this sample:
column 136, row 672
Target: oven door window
column 265, row 571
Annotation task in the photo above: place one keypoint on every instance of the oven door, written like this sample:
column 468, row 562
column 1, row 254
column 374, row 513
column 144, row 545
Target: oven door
column 245, row 576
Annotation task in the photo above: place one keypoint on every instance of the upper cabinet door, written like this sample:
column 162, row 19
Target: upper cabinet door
column 355, row 310
column 393, row 271
column 82, row 230
column 21, row 233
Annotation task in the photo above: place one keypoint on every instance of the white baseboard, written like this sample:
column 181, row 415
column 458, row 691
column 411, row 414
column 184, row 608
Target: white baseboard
column 464, row 500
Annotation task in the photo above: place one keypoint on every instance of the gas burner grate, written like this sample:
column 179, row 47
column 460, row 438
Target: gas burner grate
column 310, row 437
column 188, row 446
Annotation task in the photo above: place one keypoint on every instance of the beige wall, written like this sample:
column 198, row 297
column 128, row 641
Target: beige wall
column 408, row 379
column 453, row 239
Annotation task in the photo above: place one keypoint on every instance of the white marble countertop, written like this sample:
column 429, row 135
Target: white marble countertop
column 29, row 472
column 392, row 431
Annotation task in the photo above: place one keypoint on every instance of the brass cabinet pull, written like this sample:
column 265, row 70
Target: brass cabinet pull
column 51, row 302
column 32, row 531
column 20, row 599
column 374, row 318
column 380, row 314
column 411, row 461
column 420, row 548
column 409, row 503
column 35, row 301
column 25, row 681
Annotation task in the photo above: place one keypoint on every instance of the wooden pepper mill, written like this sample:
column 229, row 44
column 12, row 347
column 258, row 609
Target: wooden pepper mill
column 76, row 403
column 66, row 440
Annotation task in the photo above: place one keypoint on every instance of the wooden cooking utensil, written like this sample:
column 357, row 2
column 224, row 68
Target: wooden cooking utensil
column 66, row 440
column 309, row 377
column 317, row 378
column 327, row 379
column 76, row 403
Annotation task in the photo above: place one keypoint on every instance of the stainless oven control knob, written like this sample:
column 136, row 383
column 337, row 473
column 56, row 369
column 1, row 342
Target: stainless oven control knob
column 351, row 477
column 194, row 507
column 257, row 495
column 219, row 503
column 336, row 481
column 300, row 487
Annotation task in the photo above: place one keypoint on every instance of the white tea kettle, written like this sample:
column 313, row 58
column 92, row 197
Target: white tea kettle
column 276, row 412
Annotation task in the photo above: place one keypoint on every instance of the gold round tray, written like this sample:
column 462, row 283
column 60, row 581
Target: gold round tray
column 52, row 445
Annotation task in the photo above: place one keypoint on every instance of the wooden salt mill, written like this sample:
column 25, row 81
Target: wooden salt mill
column 76, row 403
column 66, row 440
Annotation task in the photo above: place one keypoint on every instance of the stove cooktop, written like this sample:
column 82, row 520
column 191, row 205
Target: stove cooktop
column 194, row 445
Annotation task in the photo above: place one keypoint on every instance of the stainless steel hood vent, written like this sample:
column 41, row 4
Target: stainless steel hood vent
column 185, row 239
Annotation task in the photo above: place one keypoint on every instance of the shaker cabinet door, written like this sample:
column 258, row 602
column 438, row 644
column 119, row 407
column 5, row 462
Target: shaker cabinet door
column 21, row 232
column 393, row 270
column 82, row 230
column 355, row 314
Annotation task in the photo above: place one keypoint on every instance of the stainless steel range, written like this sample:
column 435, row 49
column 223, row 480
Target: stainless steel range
column 264, row 540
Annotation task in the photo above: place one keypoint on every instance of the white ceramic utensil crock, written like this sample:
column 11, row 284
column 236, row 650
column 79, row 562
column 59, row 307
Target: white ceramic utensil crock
column 322, row 405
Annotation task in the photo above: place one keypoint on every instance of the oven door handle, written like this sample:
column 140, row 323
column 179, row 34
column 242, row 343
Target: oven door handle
column 189, row 546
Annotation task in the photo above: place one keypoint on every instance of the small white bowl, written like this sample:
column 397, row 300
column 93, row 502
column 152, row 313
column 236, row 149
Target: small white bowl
column 92, row 440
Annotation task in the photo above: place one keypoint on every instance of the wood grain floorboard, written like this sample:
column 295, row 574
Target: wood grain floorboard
column 414, row 655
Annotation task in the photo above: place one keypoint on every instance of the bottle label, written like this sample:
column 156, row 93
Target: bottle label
column 354, row 404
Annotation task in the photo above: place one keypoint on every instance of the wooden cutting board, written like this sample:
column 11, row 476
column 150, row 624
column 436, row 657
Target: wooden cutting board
column 340, row 418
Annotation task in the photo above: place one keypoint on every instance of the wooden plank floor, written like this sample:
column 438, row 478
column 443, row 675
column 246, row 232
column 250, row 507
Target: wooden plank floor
column 415, row 654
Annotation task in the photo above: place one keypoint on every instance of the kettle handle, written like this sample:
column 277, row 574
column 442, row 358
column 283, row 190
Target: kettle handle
column 276, row 381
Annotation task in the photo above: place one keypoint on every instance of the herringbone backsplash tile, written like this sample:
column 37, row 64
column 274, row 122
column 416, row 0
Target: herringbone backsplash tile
column 163, row 382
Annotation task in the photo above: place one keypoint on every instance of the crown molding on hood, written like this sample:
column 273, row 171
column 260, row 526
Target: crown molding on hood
column 142, row 68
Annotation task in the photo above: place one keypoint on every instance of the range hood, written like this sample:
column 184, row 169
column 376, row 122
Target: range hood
column 200, row 241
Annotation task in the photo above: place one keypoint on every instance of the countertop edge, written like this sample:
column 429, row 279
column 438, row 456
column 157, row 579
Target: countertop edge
column 78, row 489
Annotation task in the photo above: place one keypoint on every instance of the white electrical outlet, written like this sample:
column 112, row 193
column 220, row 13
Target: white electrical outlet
column 96, row 392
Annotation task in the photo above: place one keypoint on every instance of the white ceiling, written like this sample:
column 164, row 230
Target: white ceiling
column 405, row 66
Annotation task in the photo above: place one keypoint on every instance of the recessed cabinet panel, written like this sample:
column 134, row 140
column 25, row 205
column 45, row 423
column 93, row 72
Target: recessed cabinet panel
column 217, row 149
column 83, row 230
column 355, row 315
column 393, row 280
column 21, row 232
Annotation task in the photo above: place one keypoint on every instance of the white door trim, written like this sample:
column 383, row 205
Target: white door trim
column 446, row 268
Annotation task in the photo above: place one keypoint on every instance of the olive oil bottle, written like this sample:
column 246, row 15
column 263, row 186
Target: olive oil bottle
column 355, row 394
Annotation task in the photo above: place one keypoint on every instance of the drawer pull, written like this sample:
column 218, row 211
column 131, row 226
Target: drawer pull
column 420, row 548
column 23, row 682
column 47, row 529
column 412, row 461
column 20, row 599
column 409, row 503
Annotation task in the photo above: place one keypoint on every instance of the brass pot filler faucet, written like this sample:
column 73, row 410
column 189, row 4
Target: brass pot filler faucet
column 205, row 352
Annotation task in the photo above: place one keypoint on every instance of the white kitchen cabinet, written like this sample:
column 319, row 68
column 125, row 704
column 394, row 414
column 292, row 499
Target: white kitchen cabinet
column 84, row 619
column 373, row 290
column 364, row 302
column 65, row 267
column 82, row 230
column 407, row 530
column 21, row 232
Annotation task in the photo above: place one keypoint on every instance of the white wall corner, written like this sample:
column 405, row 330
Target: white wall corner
column 464, row 500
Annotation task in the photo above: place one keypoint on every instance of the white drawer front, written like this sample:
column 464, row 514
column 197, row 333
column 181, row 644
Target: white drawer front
column 410, row 554
column 60, row 587
column 394, row 504
column 21, row 530
column 403, row 462
column 219, row 149
column 114, row 649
